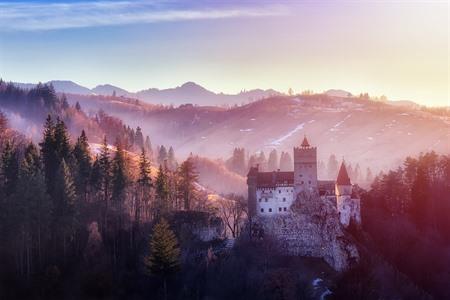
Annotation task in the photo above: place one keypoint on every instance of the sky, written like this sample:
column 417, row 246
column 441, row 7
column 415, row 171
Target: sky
column 395, row 48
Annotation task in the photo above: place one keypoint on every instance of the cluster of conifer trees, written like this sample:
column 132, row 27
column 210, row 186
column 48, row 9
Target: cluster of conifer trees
column 418, row 189
column 240, row 163
column 53, row 192
column 405, row 213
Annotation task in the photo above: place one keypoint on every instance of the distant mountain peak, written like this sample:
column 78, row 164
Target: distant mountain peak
column 190, row 85
column 109, row 89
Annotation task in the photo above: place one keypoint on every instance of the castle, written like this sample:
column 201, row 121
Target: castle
column 273, row 193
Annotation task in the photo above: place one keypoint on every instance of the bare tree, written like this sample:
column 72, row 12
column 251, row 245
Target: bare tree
column 232, row 210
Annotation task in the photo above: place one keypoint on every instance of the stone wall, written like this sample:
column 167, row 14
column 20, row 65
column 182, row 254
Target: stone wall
column 349, row 209
column 197, row 225
column 312, row 228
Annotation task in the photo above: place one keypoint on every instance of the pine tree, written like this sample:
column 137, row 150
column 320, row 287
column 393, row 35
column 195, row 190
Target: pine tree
column 3, row 123
column 104, row 163
column 95, row 176
column 237, row 161
column 62, row 142
column 65, row 210
column 187, row 180
column 148, row 147
column 144, row 184
column 48, row 154
column 82, row 157
column 104, row 179
column 332, row 167
column 369, row 176
column 9, row 169
column 32, row 160
column 162, row 192
column 162, row 155
column 357, row 173
column 66, row 192
column 273, row 160
column 419, row 197
column 252, row 161
column 64, row 103
column 119, row 176
column 78, row 106
column 139, row 138
column 164, row 258
column 171, row 161
column 262, row 161
column 286, row 162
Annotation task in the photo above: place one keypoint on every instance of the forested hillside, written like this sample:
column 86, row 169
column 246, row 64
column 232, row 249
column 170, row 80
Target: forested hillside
column 26, row 108
column 405, row 213
column 66, row 215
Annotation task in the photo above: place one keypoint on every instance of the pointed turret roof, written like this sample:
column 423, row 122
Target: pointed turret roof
column 343, row 178
column 305, row 142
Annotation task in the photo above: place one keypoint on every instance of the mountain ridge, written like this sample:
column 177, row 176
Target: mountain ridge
column 186, row 93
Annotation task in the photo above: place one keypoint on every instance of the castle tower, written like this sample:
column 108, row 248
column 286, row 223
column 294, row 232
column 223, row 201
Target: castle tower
column 305, row 168
column 348, row 208
column 343, row 185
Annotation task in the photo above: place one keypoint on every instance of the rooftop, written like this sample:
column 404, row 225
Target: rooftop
column 343, row 178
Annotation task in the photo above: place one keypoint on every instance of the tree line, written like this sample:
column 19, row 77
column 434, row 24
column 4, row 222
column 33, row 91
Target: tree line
column 240, row 163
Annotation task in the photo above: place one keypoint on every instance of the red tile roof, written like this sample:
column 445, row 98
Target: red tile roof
column 272, row 179
column 343, row 178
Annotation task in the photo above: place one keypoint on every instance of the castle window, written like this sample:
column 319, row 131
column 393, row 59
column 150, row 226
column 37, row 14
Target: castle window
column 262, row 209
column 279, row 191
column 302, row 182
column 265, row 199
column 301, row 175
column 259, row 199
column 279, row 208
column 309, row 181
column 270, row 210
column 285, row 209
column 284, row 199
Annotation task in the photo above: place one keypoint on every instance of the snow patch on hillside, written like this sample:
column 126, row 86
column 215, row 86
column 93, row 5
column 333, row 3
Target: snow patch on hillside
column 288, row 135
column 335, row 127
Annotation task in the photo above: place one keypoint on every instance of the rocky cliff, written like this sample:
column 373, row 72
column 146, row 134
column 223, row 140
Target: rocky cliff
column 312, row 228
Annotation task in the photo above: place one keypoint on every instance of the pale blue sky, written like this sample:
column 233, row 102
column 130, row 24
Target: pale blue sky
column 396, row 48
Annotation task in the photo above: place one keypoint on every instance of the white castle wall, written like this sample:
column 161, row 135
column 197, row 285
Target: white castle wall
column 271, row 201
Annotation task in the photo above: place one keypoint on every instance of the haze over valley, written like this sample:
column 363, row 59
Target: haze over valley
column 365, row 130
